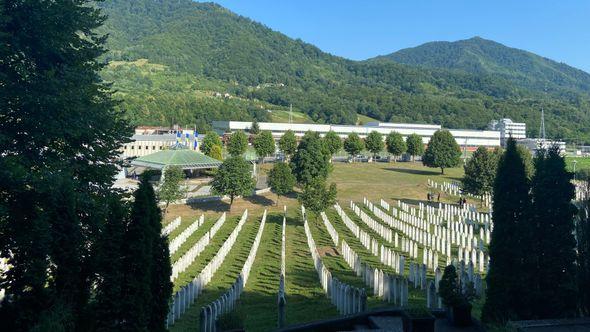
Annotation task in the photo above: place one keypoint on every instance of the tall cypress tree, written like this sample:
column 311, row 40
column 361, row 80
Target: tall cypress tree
column 109, row 311
column 505, row 296
column 161, row 287
column 554, row 254
column 138, row 262
column 59, row 136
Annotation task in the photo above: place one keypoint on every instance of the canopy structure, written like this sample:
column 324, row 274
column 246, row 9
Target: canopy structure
column 177, row 155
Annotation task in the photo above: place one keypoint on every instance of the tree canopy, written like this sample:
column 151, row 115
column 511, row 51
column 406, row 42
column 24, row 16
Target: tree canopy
column 442, row 151
column 353, row 144
column 480, row 172
column 264, row 144
column 395, row 143
column 288, row 143
column 414, row 145
column 317, row 196
column 281, row 179
column 233, row 179
column 237, row 144
column 170, row 190
column 211, row 139
column 332, row 142
column 374, row 142
column 311, row 160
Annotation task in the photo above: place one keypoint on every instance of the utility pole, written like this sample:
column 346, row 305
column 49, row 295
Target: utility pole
column 290, row 113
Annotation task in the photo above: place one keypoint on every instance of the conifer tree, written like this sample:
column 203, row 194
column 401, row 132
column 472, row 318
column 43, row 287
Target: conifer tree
column 554, row 244
column 60, row 136
column 109, row 312
column 506, row 292
column 254, row 128
column 583, row 248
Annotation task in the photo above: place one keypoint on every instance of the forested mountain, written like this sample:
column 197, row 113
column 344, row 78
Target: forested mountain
column 481, row 56
column 196, row 51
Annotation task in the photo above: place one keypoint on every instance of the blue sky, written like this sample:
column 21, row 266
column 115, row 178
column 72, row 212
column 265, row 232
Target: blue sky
column 559, row 30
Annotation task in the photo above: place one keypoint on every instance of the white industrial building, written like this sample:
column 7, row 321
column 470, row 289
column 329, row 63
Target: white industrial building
column 466, row 138
column 534, row 144
column 508, row 128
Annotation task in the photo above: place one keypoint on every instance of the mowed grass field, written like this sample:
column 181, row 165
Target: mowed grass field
column 306, row 300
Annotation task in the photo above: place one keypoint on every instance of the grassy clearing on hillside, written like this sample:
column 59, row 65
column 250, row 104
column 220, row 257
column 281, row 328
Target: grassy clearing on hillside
column 306, row 300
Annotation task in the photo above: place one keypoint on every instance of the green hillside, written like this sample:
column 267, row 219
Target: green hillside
column 202, row 50
column 481, row 56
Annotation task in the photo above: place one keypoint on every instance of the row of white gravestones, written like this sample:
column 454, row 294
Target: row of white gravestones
column 347, row 299
column 376, row 226
column 386, row 255
column 189, row 257
column 433, row 300
column 281, row 300
column 366, row 240
column 474, row 256
column 184, row 297
column 384, row 285
column 3, row 269
column 454, row 188
column 182, row 237
column 384, row 204
column 330, row 228
column 227, row 302
column 466, row 251
column 171, row 226
column 417, row 275
column 338, row 292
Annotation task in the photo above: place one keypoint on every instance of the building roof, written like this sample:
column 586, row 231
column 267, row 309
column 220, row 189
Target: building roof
column 182, row 157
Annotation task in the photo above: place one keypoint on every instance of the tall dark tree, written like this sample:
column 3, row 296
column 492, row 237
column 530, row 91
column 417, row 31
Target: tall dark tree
column 312, row 159
column 554, row 243
column 583, row 246
column 254, row 128
column 109, row 312
column 59, row 139
column 506, row 296
column 146, row 289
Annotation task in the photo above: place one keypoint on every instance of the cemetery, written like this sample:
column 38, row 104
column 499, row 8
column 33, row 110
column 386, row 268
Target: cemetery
column 279, row 267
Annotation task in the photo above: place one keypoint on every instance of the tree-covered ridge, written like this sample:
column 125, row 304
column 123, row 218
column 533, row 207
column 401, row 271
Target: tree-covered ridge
column 206, row 49
column 481, row 56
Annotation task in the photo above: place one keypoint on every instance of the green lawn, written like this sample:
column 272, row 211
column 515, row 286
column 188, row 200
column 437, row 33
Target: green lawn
column 582, row 163
column 306, row 300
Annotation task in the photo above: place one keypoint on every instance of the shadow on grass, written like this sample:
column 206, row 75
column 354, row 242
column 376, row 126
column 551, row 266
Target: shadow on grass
column 260, row 200
column 413, row 171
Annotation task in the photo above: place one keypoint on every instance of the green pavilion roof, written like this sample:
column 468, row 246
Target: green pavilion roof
column 184, row 158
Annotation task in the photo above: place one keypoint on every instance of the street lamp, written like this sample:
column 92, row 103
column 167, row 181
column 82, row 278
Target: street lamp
column 575, row 161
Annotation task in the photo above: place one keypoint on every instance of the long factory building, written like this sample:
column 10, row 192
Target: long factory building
column 466, row 138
